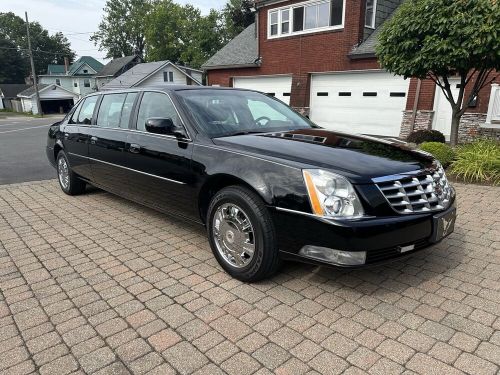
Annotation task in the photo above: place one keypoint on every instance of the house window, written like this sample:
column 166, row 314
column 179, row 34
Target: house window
column 75, row 84
column 285, row 21
column 306, row 17
column 371, row 6
column 317, row 16
column 85, row 71
column 58, row 82
column 274, row 23
column 86, row 82
column 168, row 76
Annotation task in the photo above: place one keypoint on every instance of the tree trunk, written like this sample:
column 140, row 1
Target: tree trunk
column 455, row 122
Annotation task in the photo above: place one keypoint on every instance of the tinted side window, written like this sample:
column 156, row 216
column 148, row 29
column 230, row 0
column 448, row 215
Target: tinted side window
column 155, row 104
column 115, row 110
column 127, row 109
column 87, row 110
column 75, row 113
column 110, row 110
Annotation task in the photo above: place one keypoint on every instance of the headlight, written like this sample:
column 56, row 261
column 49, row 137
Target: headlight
column 331, row 195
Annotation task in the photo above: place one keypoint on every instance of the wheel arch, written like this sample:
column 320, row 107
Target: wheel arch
column 57, row 148
column 218, row 182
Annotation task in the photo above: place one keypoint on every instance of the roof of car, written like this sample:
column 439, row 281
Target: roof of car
column 165, row 88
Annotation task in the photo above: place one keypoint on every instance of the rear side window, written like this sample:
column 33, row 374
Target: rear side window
column 115, row 109
column 87, row 110
column 156, row 105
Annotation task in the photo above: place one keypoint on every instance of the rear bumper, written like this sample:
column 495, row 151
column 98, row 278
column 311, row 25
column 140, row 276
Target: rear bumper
column 381, row 238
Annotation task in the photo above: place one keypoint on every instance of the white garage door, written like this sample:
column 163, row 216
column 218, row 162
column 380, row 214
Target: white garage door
column 367, row 103
column 278, row 86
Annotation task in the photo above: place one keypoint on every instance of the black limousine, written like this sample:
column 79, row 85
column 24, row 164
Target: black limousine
column 267, row 183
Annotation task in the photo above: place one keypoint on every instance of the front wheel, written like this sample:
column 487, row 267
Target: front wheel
column 69, row 182
column 242, row 235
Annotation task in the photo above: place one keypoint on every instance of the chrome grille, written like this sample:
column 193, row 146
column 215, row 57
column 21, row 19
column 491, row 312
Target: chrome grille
column 415, row 194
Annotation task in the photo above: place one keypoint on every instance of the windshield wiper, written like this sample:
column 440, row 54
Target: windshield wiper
column 242, row 133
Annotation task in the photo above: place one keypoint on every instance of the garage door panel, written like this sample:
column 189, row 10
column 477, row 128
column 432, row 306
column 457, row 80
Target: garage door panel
column 279, row 86
column 359, row 112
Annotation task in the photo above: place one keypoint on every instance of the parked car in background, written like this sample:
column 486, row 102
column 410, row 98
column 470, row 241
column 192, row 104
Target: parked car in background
column 266, row 182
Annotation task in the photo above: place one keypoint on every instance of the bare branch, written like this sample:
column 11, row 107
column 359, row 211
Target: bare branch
column 447, row 90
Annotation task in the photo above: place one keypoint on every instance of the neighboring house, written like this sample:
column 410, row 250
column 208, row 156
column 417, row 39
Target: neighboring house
column 53, row 99
column 116, row 67
column 154, row 74
column 319, row 57
column 79, row 78
column 8, row 96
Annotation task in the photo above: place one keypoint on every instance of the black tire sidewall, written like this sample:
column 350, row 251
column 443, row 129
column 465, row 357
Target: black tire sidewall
column 263, row 244
column 60, row 155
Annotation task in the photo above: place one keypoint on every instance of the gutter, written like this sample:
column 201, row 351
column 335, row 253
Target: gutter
column 359, row 56
column 235, row 66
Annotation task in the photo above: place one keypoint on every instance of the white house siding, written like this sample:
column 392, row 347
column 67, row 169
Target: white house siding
column 27, row 104
column 101, row 81
column 197, row 75
column 157, row 78
column 65, row 81
column 68, row 82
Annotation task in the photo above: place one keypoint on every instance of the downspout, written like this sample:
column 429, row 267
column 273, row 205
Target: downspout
column 415, row 106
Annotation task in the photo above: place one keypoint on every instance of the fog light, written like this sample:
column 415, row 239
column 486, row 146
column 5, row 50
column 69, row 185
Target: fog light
column 340, row 257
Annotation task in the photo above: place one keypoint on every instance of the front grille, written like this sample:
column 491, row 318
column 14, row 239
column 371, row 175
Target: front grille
column 416, row 194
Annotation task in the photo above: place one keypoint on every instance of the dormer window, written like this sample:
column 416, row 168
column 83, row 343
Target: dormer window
column 370, row 12
column 85, row 71
column 306, row 17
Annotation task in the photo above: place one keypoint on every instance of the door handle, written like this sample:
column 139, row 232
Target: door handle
column 93, row 140
column 134, row 148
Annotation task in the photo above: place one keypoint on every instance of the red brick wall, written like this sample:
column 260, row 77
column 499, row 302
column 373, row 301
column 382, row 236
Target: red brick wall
column 304, row 54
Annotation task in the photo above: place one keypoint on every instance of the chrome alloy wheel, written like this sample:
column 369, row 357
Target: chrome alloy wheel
column 233, row 235
column 63, row 172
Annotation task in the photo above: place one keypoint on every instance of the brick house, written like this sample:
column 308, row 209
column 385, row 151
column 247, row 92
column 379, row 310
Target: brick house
column 319, row 57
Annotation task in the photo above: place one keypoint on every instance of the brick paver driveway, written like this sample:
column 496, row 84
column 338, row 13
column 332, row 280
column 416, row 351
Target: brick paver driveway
column 98, row 284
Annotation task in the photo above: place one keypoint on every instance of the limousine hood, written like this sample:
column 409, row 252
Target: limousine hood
column 359, row 158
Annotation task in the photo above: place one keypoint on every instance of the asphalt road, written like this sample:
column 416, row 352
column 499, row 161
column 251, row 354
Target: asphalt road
column 22, row 148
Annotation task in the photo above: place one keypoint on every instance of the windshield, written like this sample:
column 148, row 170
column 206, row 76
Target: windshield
column 221, row 113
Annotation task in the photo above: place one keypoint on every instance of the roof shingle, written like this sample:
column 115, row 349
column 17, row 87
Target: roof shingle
column 240, row 51
column 115, row 66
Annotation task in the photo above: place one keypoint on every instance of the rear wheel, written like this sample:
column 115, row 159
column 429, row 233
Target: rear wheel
column 68, row 180
column 242, row 235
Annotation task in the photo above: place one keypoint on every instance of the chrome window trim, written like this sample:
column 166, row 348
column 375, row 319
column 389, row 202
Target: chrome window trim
column 127, row 168
column 166, row 136
column 250, row 156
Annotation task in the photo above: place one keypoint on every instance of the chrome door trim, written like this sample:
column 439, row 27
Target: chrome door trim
column 129, row 169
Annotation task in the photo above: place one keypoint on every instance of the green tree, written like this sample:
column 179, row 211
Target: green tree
column 121, row 31
column 12, row 62
column 181, row 34
column 238, row 15
column 47, row 49
column 439, row 39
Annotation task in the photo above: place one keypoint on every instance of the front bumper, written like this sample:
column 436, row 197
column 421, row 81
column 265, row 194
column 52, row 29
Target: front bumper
column 383, row 238
column 49, row 151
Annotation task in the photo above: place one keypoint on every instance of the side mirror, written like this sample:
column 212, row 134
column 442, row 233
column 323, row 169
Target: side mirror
column 164, row 126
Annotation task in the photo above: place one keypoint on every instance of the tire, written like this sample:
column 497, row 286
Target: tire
column 228, row 230
column 68, row 181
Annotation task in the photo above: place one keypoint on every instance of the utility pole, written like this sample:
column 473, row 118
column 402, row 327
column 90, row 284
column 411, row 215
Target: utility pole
column 33, row 73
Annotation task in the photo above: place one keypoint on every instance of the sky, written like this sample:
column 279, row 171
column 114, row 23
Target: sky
column 78, row 19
